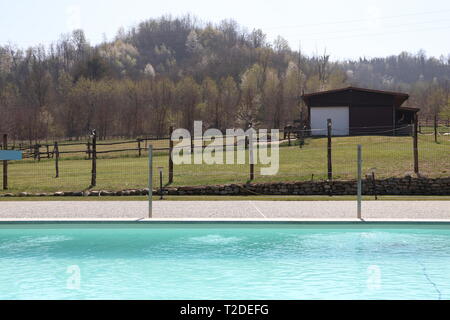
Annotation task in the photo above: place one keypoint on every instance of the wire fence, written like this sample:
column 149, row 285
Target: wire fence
column 123, row 165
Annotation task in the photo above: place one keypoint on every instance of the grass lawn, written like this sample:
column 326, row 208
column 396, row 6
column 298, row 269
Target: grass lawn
column 390, row 156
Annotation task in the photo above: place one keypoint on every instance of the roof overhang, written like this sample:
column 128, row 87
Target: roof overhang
column 410, row 109
column 399, row 97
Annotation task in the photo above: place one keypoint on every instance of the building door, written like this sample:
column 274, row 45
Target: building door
column 338, row 115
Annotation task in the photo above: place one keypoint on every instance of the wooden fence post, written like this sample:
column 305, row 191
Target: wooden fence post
column 94, row 159
column 416, row 146
column 302, row 137
column 139, row 147
column 88, row 150
column 435, row 129
column 170, row 155
column 330, row 165
column 56, row 154
column 374, row 185
column 48, row 151
column 5, row 163
column 37, row 152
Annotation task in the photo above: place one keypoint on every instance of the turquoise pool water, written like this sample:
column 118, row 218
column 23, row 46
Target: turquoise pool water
column 224, row 262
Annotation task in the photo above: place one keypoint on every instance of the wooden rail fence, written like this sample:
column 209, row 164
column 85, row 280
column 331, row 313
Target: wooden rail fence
column 91, row 151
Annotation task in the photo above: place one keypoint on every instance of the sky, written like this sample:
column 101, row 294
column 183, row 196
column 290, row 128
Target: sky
column 346, row 29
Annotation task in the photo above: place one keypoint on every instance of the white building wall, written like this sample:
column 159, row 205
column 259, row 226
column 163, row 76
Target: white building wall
column 340, row 117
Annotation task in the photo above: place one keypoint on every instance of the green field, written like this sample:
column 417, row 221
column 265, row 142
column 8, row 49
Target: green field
column 389, row 156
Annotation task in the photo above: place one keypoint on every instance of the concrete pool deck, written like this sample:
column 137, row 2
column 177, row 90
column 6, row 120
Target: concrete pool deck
column 220, row 210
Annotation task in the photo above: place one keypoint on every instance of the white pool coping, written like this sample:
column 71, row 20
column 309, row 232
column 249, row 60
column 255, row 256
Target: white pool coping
column 226, row 211
column 224, row 221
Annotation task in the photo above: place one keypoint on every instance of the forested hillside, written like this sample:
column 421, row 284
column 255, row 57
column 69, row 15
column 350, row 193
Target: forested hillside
column 172, row 71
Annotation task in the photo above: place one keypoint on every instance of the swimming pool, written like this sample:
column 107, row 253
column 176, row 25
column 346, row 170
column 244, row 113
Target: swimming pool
column 224, row 261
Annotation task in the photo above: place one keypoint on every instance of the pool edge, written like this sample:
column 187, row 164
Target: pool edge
column 229, row 221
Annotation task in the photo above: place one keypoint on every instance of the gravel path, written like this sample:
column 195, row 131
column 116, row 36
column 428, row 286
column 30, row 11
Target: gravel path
column 415, row 210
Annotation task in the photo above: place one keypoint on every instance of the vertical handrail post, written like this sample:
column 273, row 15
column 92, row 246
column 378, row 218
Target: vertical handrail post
column 150, row 181
column 329, row 158
column 5, row 163
column 416, row 146
column 161, row 193
column 359, row 196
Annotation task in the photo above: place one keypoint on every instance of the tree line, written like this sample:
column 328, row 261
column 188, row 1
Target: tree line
column 172, row 71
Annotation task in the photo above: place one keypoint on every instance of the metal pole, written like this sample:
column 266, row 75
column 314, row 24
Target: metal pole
column 416, row 146
column 161, row 184
column 251, row 156
column 5, row 163
column 150, row 183
column 329, row 159
column 359, row 181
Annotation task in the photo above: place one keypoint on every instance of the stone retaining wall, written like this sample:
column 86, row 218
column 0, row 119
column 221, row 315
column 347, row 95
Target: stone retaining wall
column 391, row 186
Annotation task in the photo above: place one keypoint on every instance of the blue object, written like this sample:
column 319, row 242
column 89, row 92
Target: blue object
column 10, row 155
column 219, row 261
